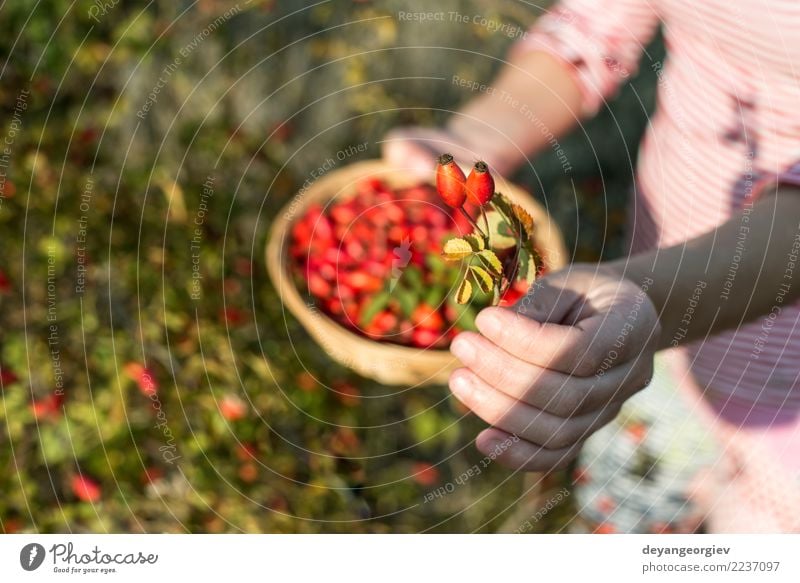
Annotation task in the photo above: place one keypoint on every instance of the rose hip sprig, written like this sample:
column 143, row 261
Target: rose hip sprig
column 502, row 253
column 452, row 186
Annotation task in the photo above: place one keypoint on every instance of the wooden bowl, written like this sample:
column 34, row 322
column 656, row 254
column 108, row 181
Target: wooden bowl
column 387, row 363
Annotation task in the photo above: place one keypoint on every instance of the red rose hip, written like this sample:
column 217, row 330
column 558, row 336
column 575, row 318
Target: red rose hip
column 450, row 181
column 480, row 184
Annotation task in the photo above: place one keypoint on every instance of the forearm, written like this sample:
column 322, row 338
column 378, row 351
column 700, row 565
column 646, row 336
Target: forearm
column 743, row 269
column 533, row 99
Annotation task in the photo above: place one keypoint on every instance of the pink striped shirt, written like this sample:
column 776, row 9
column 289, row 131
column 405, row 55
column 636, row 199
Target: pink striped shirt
column 727, row 123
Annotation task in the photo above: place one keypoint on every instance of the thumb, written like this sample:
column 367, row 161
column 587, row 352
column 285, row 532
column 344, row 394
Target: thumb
column 548, row 303
column 403, row 149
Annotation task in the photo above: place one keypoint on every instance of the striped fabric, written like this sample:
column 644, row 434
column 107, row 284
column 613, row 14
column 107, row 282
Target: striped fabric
column 727, row 124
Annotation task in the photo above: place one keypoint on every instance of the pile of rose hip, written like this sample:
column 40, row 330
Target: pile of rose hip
column 372, row 261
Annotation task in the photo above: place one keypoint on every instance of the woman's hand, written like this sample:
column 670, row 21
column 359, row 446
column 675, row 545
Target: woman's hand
column 556, row 367
column 416, row 149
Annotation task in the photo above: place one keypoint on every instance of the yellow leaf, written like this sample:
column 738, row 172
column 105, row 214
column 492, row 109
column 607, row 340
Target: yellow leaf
column 530, row 277
column 500, row 233
column 528, row 264
column 492, row 262
column 482, row 277
column 457, row 249
column 464, row 291
column 476, row 242
column 525, row 219
column 174, row 195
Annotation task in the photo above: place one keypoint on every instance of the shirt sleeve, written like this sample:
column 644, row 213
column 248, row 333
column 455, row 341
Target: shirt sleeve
column 789, row 176
column 600, row 41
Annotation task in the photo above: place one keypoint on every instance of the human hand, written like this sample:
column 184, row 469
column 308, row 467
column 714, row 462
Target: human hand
column 557, row 366
column 416, row 149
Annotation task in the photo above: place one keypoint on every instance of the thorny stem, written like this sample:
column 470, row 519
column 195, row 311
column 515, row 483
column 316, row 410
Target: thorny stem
column 519, row 234
column 472, row 222
column 485, row 220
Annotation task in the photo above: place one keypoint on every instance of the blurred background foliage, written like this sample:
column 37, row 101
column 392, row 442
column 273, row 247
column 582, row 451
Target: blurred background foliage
column 271, row 434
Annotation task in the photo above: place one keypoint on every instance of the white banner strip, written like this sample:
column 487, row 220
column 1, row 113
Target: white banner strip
column 400, row 558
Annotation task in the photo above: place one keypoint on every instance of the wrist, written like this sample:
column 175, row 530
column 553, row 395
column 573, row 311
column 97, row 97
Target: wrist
column 638, row 271
column 633, row 270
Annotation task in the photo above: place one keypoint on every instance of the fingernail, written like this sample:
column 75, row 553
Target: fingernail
column 461, row 385
column 463, row 349
column 491, row 445
column 488, row 322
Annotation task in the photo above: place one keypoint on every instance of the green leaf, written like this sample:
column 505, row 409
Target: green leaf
column 435, row 295
column 53, row 442
column 527, row 266
column 435, row 263
column 523, row 263
column 455, row 249
column 489, row 258
column 501, row 236
column 377, row 303
column 425, row 425
column 413, row 276
column 466, row 315
column 529, row 262
column 517, row 217
column 504, row 206
column 482, row 278
column 464, row 291
column 467, row 319
column 407, row 300
column 476, row 242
